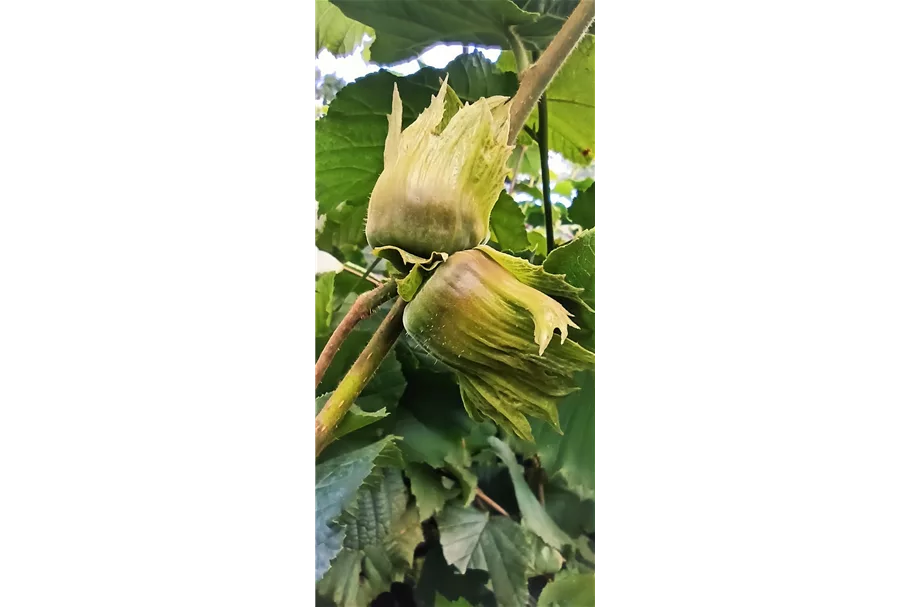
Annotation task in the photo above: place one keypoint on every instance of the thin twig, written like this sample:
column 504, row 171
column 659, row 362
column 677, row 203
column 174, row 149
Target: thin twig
column 361, row 278
column 539, row 75
column 515, row 173
column 359, row 375
column 363, row 307
column 545, row 172
column 490, row 502
column 358, row 271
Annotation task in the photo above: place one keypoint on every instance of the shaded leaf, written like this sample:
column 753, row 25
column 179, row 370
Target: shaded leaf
column 569, row 589
column 573, row 514
column 356, row 418
column 405, row 28
column 428, row 490
column 534, row 516
column 438, row 577
column 472, row 539
column 572, row 456
column 507, row 224
column 582, row 210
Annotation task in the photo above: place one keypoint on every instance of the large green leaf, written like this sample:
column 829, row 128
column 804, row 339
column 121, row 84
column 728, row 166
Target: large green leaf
column 534, row 517
column 405, row 28
column 472, row 539
column 570, row 104
column 571, row 456
column 569, row 589
column 351, row 137
column 507, row 224
column 337, row 482
column 325, row 284
column 582, row 211
column 381, row 532
column 576, row 259
column 386, row 386
column 335, row 32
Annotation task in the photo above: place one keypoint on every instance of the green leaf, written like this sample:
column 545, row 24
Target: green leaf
column 371, row 518
column 582, row 210
column 325, row 283
column 337, row 483
column 564, row 188
column 472, row 539
column 569, row 589
column 341, row 584
column 571, row 457
column 538, row 242
column 386, row 386
column 507, row 224
column 408, row 286
column 351, row 138
column 570, row 104
column 335, row 32
column 442, row 601
column 547, row 560
column 534, row 517
column 530, row 159
column 577, row 261
column 405, row 28
column 532, row 191
column 428, row 490
column 356, row 418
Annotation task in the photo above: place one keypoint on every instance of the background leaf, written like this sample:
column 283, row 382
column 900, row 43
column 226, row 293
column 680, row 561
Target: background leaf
column 534, row 517
column 507, row 224
column 582, row 210
column 569, row 589
column 572, row 455
column 472, row 539
column 335, row 32
column 405, row 28
column 570, row 104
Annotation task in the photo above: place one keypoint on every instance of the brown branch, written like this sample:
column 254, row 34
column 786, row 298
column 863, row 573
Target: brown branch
column 363, row 307
column 359, row 375
column 483, row 496
column 536, row 78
